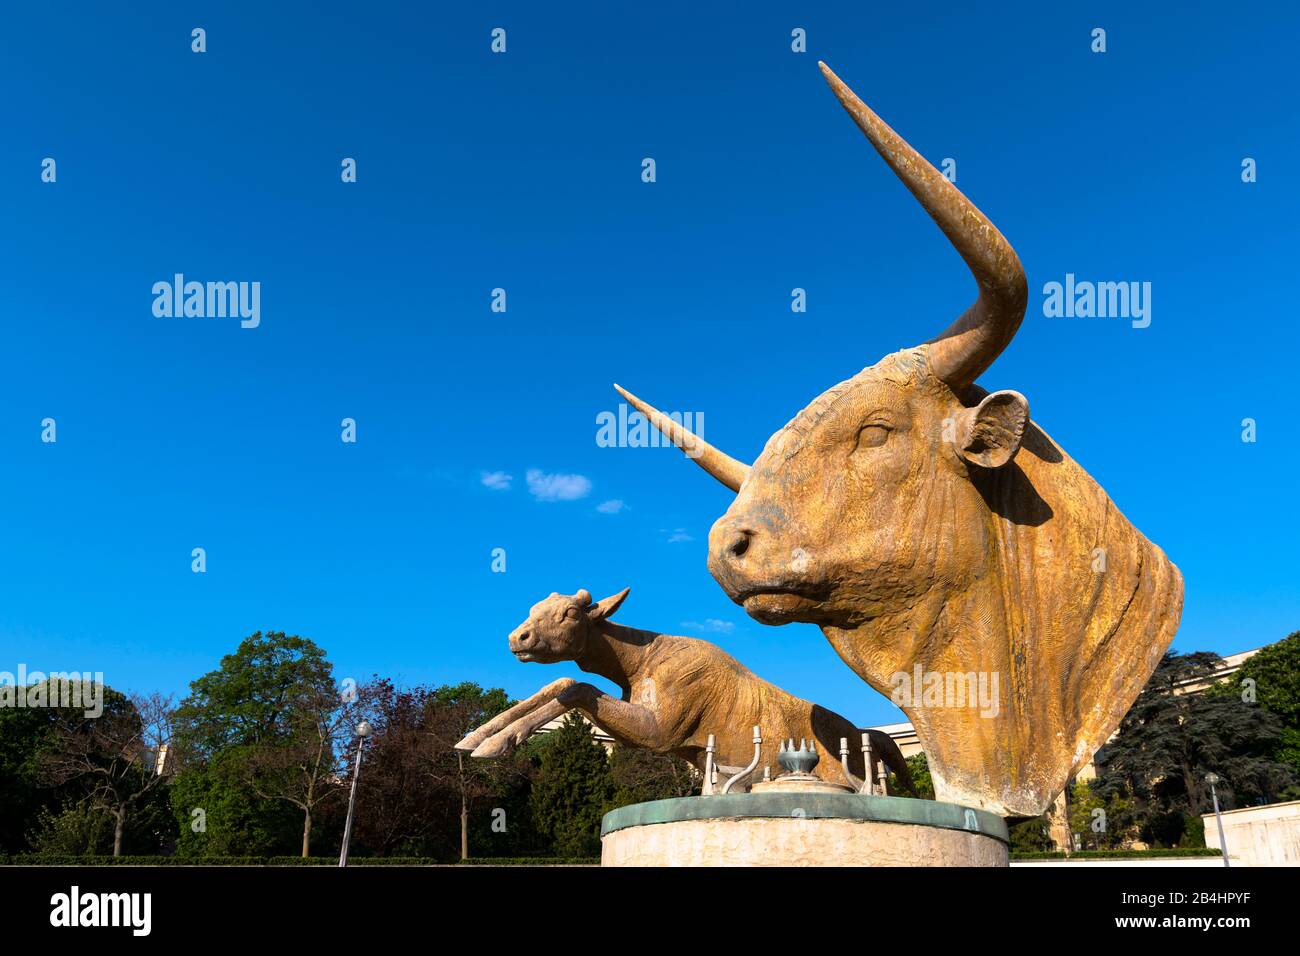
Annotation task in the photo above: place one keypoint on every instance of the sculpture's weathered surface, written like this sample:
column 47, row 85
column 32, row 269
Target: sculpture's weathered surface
column 676, row 692
column 923, row 522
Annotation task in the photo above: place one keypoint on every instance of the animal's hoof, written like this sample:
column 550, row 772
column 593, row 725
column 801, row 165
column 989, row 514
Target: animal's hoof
column 493, row 747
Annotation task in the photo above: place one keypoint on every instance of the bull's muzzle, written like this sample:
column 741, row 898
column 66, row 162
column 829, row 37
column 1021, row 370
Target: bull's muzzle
column 757, row 572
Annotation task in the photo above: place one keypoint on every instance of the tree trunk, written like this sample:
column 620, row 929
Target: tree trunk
column 306, row 834
column 119, row 824
column 464, row 810
column 464, row 828
column 1193, row 789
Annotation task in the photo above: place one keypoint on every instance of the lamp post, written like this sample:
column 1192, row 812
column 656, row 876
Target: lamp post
column 363, row 731
column 1212, row 779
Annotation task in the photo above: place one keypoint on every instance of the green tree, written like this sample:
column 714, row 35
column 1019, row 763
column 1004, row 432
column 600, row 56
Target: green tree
column 1032, row 835
column 1112, row 827
column 453, row 711
column 1173, row 736
column 44, row 800
column 218, row 815
column 1272, row 677
column 84, row 828
column 637, row 776
column 250, row 698
column 1082, row 804
column 1193, row 834
column 571, row 789
column 75, row 829
column 260, row 732
column 24, row 735
column 305, row 769
column 919, row 768
column 113, row 761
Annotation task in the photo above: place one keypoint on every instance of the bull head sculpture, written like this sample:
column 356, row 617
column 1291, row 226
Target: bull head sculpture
column 932, row 530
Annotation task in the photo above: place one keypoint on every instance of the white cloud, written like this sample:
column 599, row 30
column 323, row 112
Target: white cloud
column 497, row 480
column 679, row 534
column 557, row 487
column 710, row 625
column 611, row 507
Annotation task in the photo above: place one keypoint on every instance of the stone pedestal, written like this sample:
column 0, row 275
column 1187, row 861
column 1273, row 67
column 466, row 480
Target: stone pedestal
column 808, row 828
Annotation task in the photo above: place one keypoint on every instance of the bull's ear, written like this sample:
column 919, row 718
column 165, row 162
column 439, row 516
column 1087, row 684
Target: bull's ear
column 607, row 607
column 989, row 434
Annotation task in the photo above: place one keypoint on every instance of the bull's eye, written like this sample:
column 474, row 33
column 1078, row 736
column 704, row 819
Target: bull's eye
column 873, row 435
column 572, row 613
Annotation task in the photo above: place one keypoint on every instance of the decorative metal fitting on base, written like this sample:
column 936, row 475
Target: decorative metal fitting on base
column 799, row 761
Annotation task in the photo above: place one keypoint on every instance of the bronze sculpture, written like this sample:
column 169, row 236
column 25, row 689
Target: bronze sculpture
column 677, row 692
column 926, row 525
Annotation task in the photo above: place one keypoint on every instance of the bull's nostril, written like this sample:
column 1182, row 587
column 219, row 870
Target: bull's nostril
column 739, row 544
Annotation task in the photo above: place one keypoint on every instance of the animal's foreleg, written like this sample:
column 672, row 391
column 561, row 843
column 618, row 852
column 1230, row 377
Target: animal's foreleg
column 507, row 717
column 509, row 737
column 623, row 719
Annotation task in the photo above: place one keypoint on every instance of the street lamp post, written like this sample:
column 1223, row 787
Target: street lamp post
column 1212, row 779
column 363, row 731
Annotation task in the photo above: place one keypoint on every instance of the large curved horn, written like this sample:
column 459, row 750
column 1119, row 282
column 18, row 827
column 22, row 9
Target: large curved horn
column 723, row 467
column 968, row 346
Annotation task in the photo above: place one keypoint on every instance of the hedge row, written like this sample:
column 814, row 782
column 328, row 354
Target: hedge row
column 47, row 859
column 1116, row 854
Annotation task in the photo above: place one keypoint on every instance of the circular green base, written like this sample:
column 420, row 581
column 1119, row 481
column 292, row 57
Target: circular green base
column 812, row 806
column 811, row 828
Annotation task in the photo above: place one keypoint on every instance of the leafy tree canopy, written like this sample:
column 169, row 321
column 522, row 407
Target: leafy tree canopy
column 27, row 737
column 250, row 698
column 1272, row 677
column 1173, row 736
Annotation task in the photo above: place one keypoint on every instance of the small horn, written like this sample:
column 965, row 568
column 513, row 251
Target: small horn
column 723, row 467
column 971, row 344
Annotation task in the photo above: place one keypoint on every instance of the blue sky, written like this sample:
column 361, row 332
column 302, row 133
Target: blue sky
column 523, row 171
